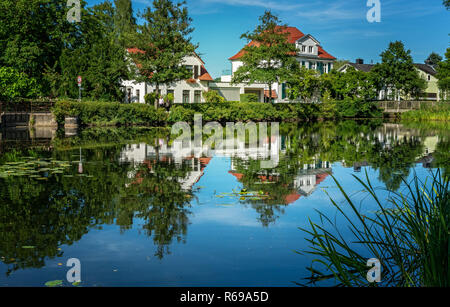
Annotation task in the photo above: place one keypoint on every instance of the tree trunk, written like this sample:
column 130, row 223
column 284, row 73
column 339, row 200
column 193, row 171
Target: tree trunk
column 270, row 92
column 157, row 97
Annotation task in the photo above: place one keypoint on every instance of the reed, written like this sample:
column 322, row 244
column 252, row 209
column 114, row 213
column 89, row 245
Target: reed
column 409, row 234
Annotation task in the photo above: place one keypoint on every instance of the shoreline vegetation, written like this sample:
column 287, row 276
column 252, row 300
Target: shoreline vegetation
column 107, row 114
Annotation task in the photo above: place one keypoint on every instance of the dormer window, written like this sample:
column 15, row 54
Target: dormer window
column 303, row 49
column 310, row 49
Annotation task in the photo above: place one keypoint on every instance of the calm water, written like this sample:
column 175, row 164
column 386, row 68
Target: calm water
column 137, row 212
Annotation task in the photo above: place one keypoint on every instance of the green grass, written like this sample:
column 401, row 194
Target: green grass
column 409, row 235
column 438, row 112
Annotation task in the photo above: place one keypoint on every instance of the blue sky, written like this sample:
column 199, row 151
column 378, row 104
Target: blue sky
column 340, row 26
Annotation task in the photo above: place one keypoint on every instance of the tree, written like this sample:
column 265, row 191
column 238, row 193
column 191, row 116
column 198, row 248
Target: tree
column 33, row 34
column 446, row 4
column 433, row 59
column 212, row 96
column 163, row 42
column 303, row 84
column 14, row 84
column 124, row 22
column 268, row 55
column 398, row 73
column 443, row 74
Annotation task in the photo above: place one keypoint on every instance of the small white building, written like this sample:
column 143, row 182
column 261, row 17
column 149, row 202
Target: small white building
column 185, row 91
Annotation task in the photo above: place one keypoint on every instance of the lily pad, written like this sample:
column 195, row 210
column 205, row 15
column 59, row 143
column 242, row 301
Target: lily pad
column 53, row 283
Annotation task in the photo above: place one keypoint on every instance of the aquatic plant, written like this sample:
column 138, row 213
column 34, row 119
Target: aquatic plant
column 409, row 235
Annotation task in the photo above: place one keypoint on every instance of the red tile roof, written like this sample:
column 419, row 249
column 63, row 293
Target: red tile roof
column 204, row 75
column 274, row 94
column 294, row 35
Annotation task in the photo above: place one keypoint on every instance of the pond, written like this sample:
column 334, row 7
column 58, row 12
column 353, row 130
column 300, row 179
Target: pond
column 137, row 210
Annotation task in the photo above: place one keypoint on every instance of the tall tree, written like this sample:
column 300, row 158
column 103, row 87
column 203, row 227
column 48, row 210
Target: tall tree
column 124, row 21
column 443, row 74
column 447, row 4
column 163, row 41
column 268, row 56
column 433, row 59
column 398, row 73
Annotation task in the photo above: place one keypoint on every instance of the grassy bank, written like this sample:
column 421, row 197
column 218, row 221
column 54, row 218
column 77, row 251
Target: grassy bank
column 438, row 112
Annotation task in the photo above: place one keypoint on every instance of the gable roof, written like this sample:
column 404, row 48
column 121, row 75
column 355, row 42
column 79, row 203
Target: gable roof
column 294, row 35
column 204, row 75
column 368, row 67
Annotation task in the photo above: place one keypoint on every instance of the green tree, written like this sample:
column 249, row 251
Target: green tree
column 14, row 84
column 303, row 84
column 33, row 34
column 163, row 40
column 124, row 21
column 447, row 4
column 398, row 73
column 212, row 96
column 268, row 56
column 443, row 74
column 433, row 59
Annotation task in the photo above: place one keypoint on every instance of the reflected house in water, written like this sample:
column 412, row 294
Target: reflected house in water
column 311, row 176
column 139, row 154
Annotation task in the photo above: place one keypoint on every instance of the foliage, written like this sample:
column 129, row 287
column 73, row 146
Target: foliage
column 443, row 73
column 14, row 84
column 352, row 84
column 249, row 98
column 53, row 51
column 303, row 84
column 212, row 96
column 429, row 112
column 248, row 111
column 433, row 59
column 409, row 235
column 398, row 73
column 151, row 98
column 124, row 21
column 163, row 42
column 268, row 55
column 110, row 113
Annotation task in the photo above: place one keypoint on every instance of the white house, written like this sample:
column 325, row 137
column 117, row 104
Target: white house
column 310, row 54
column 186, row 91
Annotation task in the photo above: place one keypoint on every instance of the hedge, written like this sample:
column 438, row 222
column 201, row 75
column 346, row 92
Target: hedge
column 110, row 113
column 249, row 111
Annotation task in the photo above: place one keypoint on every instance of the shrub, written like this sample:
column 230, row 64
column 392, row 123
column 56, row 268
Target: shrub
column 14, row 84
column 249, row 98
column 212, row 96
column 110, row 113
column 150, row 98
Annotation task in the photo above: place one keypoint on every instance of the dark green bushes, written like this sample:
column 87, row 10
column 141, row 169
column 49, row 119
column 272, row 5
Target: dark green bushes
column 110, row 113
column 250, row 111
column 249, row 98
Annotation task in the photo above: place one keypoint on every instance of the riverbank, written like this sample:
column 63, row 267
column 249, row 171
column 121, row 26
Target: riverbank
column 437, row 112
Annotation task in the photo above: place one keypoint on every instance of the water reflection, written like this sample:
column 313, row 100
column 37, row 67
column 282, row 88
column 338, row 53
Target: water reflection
column 137, row 177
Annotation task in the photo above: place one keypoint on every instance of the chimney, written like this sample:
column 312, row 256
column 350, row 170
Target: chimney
column 359, row 61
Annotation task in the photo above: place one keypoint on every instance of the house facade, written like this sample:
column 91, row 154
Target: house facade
column 310, row 54
column 184, row 91
column 426, row 72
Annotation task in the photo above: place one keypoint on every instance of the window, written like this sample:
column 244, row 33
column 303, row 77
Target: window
column 138, row 95
column 303, row 49
column 310, row 48
column 198, row 96
column 196, row 71
column 429, row 78
column 186, row 98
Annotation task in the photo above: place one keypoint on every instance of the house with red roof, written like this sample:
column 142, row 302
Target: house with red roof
column 186, row 91
column 310, row 54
